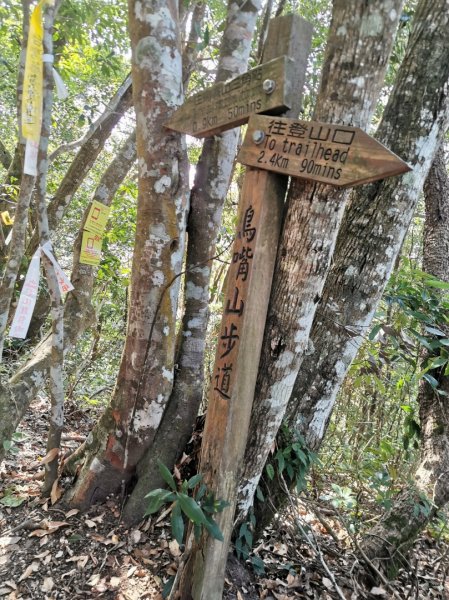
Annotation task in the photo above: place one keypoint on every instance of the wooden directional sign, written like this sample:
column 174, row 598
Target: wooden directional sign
column 266, row 88
column 334, row 154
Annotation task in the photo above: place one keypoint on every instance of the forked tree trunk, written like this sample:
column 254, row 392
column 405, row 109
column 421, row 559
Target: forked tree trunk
column 357, row 52
column 390, row 539
column 372, row 230
column 212, row 178
column 145, row 379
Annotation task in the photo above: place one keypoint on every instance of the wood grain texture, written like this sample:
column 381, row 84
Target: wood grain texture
column 229, row 104
column 334, row 154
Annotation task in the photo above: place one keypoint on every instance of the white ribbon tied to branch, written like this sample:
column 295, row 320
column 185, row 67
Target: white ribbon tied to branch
column 28, row 295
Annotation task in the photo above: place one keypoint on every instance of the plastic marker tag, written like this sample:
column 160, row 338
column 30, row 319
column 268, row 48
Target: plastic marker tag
column 33, row 78
column 30, row 161
column 97, row 218
column 6, row 218
column 61, row 88
column 28, row 295
column 90, row 248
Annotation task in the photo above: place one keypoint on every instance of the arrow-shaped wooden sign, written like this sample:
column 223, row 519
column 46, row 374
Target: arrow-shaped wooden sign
column 334, row 154
column 266, row 88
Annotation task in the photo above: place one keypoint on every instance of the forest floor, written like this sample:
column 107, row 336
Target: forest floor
column 48, row 551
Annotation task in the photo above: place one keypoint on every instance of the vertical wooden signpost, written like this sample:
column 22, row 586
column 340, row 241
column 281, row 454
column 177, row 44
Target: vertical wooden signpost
column 287, row 147
column 274, row 87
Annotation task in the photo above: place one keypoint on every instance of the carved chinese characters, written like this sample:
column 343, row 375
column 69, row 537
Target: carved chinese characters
column 341, row 156
column 227, row 105
column 234, row 306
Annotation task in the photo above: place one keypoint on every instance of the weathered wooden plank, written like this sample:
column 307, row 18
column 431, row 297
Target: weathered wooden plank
column 267, row 88
column 239, row 345
column 237, row 358
column 334, row 154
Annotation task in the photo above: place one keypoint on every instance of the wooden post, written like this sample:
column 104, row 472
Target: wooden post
column 238, row 350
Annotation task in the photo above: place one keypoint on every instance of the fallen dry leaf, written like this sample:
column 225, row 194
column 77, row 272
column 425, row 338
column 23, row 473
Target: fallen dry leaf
column 80, row 560
column 29, row 570
column 56, row 492
column 94, row 579
column 48, row 584
column 174, row 548
column 135, row 536
column 8, row 540
column 71, row 513
column 114, row 581
column 327, row 583
column 90, row 523
column 378, row 591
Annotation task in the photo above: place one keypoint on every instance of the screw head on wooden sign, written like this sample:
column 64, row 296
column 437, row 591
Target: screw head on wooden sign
column 267, row 88
column 334, row 154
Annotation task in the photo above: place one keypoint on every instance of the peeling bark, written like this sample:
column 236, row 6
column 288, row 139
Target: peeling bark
column 212, row 178
column 376, row 222
column 57, row 346
column 145, row 378
column 413, row 508
column 373, row 228
column 359, row 44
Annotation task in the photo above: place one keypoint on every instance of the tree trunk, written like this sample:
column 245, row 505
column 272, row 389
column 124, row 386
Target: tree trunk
column 373, row 228
column 415, row 505
column 212, row 178
column 375, row 223
column 358, row 48
column 145, row 379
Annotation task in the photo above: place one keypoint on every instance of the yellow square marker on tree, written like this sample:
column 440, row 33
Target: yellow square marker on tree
column 90, row 248
column 97, row 218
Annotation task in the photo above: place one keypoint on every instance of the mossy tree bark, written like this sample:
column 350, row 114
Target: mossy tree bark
column 145, row 380
column 372, row 230
column 357, row 52
column 212, row 178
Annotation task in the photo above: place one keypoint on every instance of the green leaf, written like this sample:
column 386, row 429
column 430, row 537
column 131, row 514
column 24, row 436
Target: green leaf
column 433, row 363
column 436, row 283
column 167, row 587
column 191, row 509
column 431, row 380
column 12, row 501
column 434, row 331
column 213, row 528
column 177, row 523
column 281, row 461
column 201, row 492
column 258, row 565
column 374, row 331
column 157, row 500
column 166, row 475
column 270, row 471
column 193, row 481
column 259, row 494
column 249, row 538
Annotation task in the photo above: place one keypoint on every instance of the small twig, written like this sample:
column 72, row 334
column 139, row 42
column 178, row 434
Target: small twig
column 23, row 525
column 374, row 568
column 321, row 519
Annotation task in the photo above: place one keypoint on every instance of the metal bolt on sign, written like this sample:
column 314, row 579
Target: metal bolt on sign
column 269, row 86
column 258, row 136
